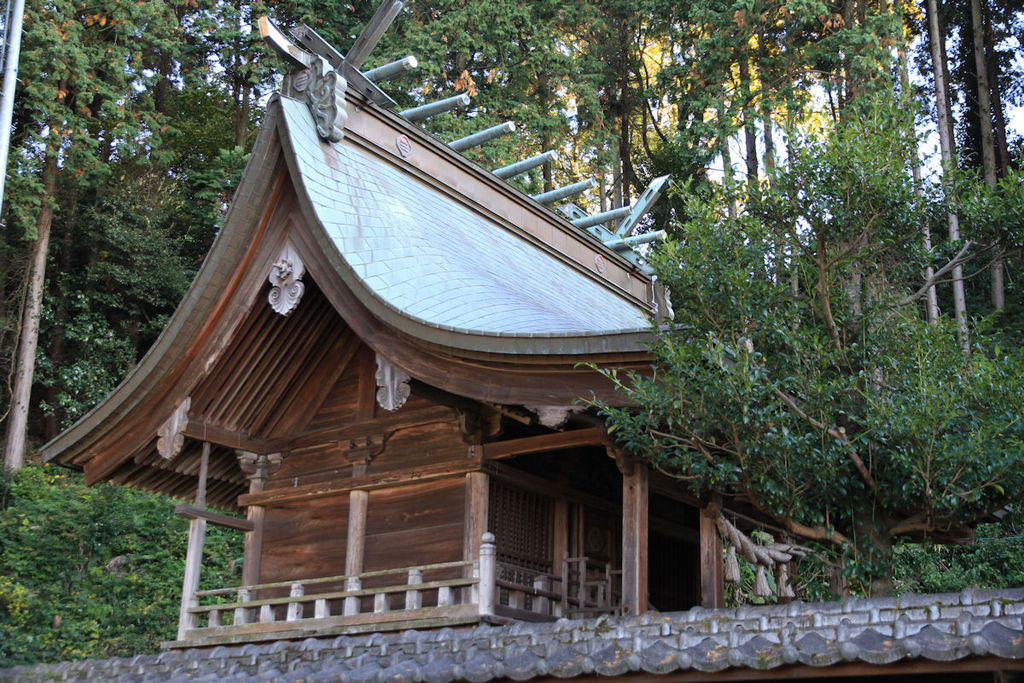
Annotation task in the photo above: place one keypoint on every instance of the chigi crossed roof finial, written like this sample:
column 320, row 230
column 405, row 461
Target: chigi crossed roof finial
column 320, row 75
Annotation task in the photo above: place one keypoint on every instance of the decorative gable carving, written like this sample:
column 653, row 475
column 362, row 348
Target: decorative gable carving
column 323, row 89
column 286, row 278
column 171, row 434
column 392, row 385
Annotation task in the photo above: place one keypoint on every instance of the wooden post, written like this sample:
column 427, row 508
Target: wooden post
column 294, row 612
column 351, row 606
column 413, row 598
column 488, row 576
column 355, row 546
column 712, row 569
column 634, row 538
column 257, row 468
column 242, row 613
column 560, row 534
column 541, row 603
column 477, row 500
column 194, row 555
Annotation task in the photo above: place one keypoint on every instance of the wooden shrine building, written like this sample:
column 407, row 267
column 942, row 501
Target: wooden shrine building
column 380, row 363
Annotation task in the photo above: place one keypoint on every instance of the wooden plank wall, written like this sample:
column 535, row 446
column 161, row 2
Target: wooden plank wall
column 413, row 525
column 305, row 540
column 407, row 524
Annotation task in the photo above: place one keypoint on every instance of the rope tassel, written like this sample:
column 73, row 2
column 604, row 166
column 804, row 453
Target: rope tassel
column 732, row 566
column 761, row 588
column 785, row 590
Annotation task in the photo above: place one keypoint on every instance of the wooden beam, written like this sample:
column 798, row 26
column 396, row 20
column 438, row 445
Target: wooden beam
column 634, row 540
column 361, row 428
column 368, row 483
column 221, row 436
column 591, row 436
column 551, row 489
column 193, row 512
column 712, row 569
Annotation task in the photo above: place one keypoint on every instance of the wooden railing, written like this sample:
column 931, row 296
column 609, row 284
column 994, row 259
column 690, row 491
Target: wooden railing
column 423, row 595
column 584, row 588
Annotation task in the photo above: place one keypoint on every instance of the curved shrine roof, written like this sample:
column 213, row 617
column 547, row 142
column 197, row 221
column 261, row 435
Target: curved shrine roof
column 437, row 260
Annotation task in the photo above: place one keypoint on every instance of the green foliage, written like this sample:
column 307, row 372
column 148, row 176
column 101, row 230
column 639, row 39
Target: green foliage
column 994, row 560
column 93, row 571
column 800, row 377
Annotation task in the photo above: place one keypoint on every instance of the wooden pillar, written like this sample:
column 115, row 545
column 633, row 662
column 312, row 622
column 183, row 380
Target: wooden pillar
column 257, row 468
column 358, row 503
column 476, row 522
column 712, row 569
column 194, row 554
column 634, row 538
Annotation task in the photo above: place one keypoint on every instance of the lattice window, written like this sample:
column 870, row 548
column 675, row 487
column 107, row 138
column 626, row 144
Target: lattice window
column 522, row 525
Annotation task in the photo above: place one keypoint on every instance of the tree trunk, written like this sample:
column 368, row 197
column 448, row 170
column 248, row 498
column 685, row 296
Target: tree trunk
column 931, row 297
column 946, row 147
column 17, row 419
column 749, row 125
column 988, row 150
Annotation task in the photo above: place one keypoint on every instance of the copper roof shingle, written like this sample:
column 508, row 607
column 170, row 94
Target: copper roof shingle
column 435, row 259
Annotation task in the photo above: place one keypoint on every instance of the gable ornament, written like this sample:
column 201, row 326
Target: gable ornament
column 286, row 280
column 323, row 90
column 171, row 434
column 392, row 385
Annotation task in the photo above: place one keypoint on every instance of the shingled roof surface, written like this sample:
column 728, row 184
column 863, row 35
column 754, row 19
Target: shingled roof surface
column 950, row 628
column 437, row 260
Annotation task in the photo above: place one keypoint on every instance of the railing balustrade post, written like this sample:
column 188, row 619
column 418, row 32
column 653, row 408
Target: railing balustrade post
column 488, row 576
column 266, row 614
column 351, row 607
column 320, row 609
column 242, row 613
column 444, row 596
column 295, row 608
column 540, row 602
column 563, row 608
column 213, row 618
column 413, row 598
column 380, row 603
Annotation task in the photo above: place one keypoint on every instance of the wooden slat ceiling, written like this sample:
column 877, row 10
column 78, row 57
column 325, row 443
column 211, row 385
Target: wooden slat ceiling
column 263, row 377
column 268, row 382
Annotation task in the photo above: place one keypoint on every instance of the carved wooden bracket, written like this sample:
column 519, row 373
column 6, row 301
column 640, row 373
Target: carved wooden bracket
column 477, row 424
column 554, row 417
column 623, row 460
column 392, row 385
column 286, row 278
column 360, row 451
column 171, row 434
column 258, row 465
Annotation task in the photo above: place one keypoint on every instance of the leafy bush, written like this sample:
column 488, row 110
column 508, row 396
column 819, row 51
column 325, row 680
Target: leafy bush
column 93, row 571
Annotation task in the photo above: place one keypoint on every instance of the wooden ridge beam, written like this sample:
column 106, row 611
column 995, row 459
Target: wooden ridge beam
column 273, row 497
column 590, row 436
column 193, row 512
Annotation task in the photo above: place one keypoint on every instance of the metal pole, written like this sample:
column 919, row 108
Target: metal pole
column 7, row 96
column 486, row 135
column 432, row 109
column 525, row 165
column 603, row 217
column 563, row 192
column 391, row 69
column 635, row 240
